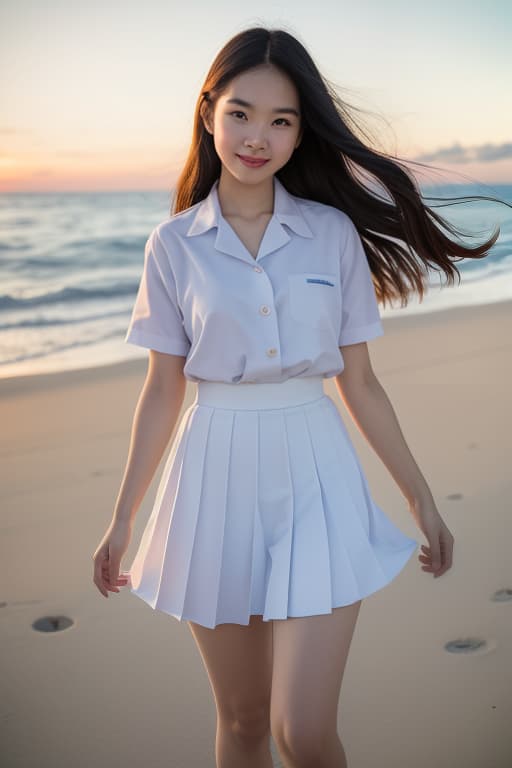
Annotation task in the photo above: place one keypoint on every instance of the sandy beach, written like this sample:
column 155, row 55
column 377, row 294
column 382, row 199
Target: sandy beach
column 125, row 685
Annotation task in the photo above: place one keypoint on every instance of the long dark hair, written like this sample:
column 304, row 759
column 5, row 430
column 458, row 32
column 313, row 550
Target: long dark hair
column 326, row 165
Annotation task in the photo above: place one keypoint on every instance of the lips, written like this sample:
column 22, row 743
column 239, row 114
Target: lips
column 252, row 161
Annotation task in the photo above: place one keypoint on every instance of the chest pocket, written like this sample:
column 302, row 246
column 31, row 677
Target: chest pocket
column 314, row 298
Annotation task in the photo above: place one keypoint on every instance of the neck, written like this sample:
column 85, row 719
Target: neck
column 245, row 200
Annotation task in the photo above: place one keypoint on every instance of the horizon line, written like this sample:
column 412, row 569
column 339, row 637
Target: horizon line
column 119, row 190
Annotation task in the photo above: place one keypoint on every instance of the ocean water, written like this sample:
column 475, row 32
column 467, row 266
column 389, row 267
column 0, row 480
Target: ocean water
column 71, row 264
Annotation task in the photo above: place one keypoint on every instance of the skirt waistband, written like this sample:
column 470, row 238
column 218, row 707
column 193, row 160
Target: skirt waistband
column 249, row 395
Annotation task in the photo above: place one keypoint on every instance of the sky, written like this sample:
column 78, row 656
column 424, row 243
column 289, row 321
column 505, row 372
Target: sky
column 100, row 95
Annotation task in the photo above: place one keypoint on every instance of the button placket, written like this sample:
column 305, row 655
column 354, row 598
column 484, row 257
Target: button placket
column 265, row 310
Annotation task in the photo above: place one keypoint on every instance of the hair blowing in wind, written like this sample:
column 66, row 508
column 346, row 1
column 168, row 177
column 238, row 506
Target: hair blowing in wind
column 329, row 166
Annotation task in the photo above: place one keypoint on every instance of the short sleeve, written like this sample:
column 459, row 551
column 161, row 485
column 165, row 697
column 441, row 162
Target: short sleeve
column 156, row 321
column 360, row 318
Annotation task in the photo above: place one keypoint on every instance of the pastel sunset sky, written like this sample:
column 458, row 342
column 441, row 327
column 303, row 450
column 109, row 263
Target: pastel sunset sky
column 100, row 95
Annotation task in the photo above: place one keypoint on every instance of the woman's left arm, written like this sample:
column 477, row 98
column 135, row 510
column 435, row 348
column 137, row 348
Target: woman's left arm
column 372, row 412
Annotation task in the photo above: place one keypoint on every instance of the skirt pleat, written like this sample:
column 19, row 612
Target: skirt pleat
column 310, row 588
column 264, row 511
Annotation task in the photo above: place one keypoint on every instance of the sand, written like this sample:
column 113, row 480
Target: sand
column 125, row 685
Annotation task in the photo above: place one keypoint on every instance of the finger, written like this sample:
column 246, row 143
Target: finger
column 446, row 565
column 113, row 571
column 444, row 555
column 105, row 577
column 112, row 587
column 449, row 550
column 105, row 571
column 101, row 569
column 99, row 575
column 100, row 586
column 429, row 568
column 443, row 568
column 121, row 582
column 108, row 584
column 436, row 554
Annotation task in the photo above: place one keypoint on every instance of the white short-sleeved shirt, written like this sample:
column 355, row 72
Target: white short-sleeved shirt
column 239, row 319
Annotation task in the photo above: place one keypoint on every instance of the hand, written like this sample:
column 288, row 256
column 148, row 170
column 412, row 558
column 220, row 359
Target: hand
column 438, row 557
column 108, row 555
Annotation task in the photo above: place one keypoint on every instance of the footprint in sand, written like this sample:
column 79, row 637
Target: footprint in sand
column 470, row 645
column 52, row 623
column 502, row 596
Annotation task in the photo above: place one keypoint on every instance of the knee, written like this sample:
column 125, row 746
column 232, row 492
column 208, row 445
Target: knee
column 249, row 727
column 304, row 744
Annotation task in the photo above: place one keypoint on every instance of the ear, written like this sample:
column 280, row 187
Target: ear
column 206, row 117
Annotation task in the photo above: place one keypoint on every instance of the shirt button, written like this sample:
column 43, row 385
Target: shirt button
column 264, row 309
column 257, row 269
column 272, row 352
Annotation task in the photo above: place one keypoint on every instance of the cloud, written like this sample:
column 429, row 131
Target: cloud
column 491, row 152
column 483, row 153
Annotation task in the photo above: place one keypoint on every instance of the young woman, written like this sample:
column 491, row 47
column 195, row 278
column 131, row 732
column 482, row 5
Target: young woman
column 265, row 280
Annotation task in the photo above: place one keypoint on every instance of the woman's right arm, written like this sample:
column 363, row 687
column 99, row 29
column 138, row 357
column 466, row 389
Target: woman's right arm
column 155, row 416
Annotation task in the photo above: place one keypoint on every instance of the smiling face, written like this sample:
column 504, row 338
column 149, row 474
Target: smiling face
column 257, row 116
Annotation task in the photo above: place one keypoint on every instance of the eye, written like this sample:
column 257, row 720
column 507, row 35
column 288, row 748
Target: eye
column 238, row 112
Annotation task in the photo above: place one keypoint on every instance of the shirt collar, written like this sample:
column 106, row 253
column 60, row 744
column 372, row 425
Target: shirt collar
column 286, row 211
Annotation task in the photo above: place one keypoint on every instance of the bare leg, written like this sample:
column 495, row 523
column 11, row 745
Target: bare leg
column 238, row 660
column 310, row 655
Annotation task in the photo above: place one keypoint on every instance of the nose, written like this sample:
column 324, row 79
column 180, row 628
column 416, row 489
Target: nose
column 257, row 142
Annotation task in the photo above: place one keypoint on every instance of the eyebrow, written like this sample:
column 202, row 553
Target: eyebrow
column 242, row 103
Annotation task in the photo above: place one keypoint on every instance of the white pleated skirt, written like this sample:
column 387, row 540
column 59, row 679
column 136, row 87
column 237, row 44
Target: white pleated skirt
column 263, row 508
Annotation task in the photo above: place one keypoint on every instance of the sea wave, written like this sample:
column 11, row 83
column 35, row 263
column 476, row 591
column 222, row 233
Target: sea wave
column 61, row 347
column 44, row 322
column 69, row 294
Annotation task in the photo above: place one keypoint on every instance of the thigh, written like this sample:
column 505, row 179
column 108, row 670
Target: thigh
column 238, row 660
column 310, row 654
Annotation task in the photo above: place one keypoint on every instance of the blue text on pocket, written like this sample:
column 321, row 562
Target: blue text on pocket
column 318, row 280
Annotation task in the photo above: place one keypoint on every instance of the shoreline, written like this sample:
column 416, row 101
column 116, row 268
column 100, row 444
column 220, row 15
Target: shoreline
column 18, row 384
